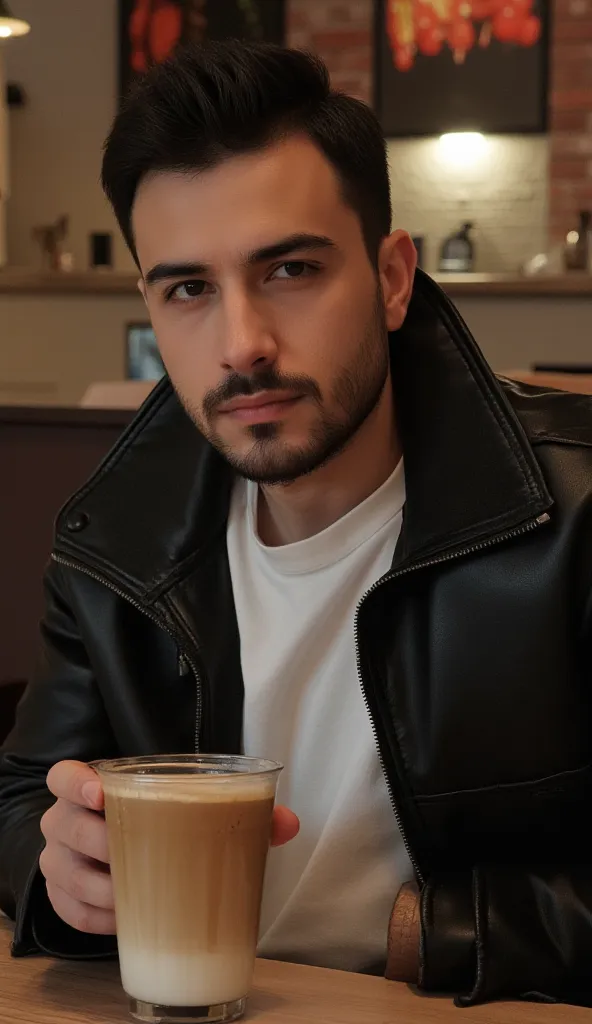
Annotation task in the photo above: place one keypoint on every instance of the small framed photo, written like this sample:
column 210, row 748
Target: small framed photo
column 444, row 66
column 143, row 360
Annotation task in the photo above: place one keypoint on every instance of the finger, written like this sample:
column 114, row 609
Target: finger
column 82, row 879
column 285, row 826
column 80, row 915
column 76, row 782
column 81, row 830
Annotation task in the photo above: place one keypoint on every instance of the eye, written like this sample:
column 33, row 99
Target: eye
column 294, row 269
column 186, row 291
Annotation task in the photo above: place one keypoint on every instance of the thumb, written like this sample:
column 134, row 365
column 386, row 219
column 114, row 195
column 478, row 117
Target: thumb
column 285, row 826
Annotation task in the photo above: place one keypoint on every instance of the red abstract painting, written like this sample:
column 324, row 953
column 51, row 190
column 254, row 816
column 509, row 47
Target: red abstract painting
column 151, row 30
column 445, row 65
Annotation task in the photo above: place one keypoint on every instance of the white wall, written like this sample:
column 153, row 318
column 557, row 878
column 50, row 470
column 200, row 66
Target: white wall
column 53, row 347
column 504, row 191
column 4, row 176
column 514, row 333
column 68, row 68
column 58, row 345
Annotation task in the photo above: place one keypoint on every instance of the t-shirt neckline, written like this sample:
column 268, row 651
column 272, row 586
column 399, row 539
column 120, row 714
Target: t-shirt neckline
column 340, row 539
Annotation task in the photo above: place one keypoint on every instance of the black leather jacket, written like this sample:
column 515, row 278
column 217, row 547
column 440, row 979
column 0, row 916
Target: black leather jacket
column 474, row 658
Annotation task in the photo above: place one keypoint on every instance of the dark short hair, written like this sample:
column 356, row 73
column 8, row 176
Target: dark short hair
column 214, row 101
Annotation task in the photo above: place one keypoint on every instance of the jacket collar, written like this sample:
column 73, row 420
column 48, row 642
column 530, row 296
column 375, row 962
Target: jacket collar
column 159, row 501
column 470, row 470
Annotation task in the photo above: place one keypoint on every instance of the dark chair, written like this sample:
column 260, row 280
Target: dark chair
column 45, row 455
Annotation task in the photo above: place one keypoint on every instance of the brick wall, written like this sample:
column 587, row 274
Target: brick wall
column 570, row 114
column 341, row 32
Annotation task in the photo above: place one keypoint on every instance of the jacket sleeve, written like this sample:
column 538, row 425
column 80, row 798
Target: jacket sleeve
column 514, row 931
column 496, row 933
column 61, row 716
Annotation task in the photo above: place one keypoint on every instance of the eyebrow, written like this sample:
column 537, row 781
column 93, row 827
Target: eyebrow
column 283, row 247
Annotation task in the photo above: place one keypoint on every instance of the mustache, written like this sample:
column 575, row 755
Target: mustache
column 238, row 385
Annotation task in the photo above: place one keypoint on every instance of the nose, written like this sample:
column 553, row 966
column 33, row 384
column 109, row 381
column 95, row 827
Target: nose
column 248, row 341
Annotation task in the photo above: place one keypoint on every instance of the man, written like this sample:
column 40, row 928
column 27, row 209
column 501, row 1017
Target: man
column 254, row 568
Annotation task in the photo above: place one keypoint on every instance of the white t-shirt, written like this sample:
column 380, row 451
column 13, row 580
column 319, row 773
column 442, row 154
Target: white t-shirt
column 329, row 893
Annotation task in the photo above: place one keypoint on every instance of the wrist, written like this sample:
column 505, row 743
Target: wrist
column 404, row 936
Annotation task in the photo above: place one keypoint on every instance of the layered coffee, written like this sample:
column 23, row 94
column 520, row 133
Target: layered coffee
column 188, row 863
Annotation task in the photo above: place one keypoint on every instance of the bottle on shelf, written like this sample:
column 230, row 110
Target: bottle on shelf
column 457, row 255
column 577, row 249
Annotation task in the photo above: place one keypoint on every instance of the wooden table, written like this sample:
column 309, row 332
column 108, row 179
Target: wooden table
column 41, row 991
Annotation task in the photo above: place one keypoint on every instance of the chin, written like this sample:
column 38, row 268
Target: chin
column 271, row 453
column 281, row 466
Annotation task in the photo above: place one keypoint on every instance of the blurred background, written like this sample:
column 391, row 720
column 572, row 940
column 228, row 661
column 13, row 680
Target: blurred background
column 487, row 108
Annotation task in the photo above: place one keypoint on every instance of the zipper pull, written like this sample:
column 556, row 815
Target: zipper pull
column 183, row 665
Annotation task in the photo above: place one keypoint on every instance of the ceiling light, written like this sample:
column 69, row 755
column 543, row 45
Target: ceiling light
column 10, row 26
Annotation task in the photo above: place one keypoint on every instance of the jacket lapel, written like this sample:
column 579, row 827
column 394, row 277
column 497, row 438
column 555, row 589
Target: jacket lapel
column 470, row 471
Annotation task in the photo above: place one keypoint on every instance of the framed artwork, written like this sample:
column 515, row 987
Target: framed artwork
column 151, row 30
column 461, row 65
column 143, row 360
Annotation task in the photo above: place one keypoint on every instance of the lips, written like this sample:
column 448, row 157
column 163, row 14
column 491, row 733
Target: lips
column 262, row 398
column 264, row 407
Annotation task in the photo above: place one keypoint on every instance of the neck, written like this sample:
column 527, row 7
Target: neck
column 292, row 512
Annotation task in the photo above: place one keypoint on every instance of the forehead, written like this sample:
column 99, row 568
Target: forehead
column 241, row 203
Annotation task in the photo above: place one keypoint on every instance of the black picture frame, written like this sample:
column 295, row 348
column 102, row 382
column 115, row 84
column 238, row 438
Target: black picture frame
column 198, row 19
column 142, row 358
column 502, row 89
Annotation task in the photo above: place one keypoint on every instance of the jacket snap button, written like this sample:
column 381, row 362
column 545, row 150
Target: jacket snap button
column 77, row 521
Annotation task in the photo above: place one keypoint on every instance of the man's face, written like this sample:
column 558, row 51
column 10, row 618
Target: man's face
column 268, row 313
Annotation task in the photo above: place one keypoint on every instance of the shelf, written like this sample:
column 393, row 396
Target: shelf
column 22, row 281
column 508, row 285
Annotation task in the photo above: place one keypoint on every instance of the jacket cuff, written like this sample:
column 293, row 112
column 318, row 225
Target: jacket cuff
column 448, row 957
column 525, row 948
column 40, row 930
column 23, row 881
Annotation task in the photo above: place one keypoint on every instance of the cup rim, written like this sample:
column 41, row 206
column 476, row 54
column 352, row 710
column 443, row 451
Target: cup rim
column 139, row 768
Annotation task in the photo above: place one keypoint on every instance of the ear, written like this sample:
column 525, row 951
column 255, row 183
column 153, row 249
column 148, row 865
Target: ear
column 142, row 289
column 397, row 260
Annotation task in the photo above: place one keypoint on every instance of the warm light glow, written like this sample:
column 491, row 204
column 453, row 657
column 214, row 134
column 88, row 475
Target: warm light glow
column 12, row 27
column 463, row 149
column 573, row 237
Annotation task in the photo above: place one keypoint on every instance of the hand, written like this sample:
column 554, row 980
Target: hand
column 404, row 936
column 75, row 860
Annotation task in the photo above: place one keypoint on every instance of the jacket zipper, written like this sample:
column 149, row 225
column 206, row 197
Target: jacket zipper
column 451, row 556
column 184, row 657
column 471, row 549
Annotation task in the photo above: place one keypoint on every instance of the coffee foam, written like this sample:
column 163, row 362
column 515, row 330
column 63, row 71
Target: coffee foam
column 205, row 788
column 186, row 979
